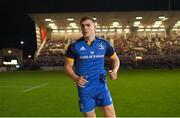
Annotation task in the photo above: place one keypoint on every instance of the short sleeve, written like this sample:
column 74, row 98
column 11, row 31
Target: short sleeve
column 109, row 50
column 70, row 52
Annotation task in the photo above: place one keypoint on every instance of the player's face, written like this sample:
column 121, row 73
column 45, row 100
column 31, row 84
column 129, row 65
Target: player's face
column 88, row 28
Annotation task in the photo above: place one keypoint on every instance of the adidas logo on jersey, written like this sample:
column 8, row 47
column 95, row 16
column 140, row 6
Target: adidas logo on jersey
column 82, row 48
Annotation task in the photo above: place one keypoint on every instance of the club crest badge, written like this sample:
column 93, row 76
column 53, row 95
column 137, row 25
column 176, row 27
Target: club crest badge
column 100, row 46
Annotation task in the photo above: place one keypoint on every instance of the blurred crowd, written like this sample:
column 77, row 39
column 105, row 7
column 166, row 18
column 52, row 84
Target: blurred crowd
column 133, row 51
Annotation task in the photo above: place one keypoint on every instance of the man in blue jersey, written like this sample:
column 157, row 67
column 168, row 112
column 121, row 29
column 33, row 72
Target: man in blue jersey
column 84, row 64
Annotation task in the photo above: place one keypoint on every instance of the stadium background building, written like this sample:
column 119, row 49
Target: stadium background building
column 137, row 36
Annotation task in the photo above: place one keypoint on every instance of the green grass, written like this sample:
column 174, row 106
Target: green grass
column 44, row 93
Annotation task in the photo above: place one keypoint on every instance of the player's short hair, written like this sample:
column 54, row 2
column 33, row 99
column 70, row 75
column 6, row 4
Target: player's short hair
column 87, row 18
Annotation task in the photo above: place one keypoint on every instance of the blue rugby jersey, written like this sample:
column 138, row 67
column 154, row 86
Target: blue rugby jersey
column 89, row 59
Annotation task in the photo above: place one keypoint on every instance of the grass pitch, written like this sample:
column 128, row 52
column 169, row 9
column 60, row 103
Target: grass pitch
column 138, row 93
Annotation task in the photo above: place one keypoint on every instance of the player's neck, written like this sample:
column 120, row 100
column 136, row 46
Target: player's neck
column 91, row 38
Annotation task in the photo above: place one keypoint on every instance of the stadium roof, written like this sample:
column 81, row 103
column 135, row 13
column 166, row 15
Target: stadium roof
column 108, row 19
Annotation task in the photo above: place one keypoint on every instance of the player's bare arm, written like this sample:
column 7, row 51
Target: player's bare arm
column 115, row 64
column 68, row 67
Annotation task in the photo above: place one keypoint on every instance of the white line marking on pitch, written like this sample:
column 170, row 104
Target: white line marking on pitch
column 35, row 87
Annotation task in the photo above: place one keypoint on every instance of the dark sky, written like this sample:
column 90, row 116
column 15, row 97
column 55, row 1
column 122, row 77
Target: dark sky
column 16, row 25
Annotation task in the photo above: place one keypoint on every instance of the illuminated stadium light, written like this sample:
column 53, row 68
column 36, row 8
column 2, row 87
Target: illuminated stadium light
column 70, row 19
column 98, row 30
column 17, row 66
column 139, row 58
column 75, row 27
column 29, row 56
column 141, row 26
column 136, row 25
column 161, row 17
column 98, row 26
column 140, row 30
column 115, row 24
column 94, row 18
column 52, row 21
column 22, row 42
column 178, row 22
column 137, row 22
column 54, row 27
column 48, row 19
column 9, row 51
column 119, row 26
column 148, row 26
column 126, row 30
column 69, row 31
column 174, row 29
column 158, row 22
column 147, row 29
column 119, row 30
column 138, row 18
column 105, row 30
column 72, row 24
column 12, row 62
column 111, row 30
column 154, row 30
column 76, row 31
column 104, row 26
column 52, row 24
column 68, row 27
column 55, row 31
column 62, row 31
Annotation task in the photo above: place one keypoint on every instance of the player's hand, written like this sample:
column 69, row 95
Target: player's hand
column 113, row 74
column 81, row 81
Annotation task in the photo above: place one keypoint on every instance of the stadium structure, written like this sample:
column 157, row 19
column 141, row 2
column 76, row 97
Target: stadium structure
column 141, row 38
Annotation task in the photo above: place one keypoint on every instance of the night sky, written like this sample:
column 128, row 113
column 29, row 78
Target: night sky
column 16, row 25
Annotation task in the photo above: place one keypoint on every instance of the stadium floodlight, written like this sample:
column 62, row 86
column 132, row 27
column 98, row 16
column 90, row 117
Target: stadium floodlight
column 119, row 30
column 76, row 31
column 94, row 18
column 161, row 29
column 111, row 30
column 62, row 31
column 148, row 26
column 137, row 22
column 69, row 31
column 161, row 17
column 138, row 17
column 9, row 51
column 54, row 27
column 147, row 29
column 141, row 26
column 174, row 29
column 55, row 31
column 140, row 30
column 98, row 26
column 98, row 30
column 154, row 30
column 47, row 19
column 105, row 30
column 52, row 24
column 158, row 22
column 70, row 19
column 22, row 42
column 115, row 24
column 29, row 56
column 138, row 58
column 126, row 30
